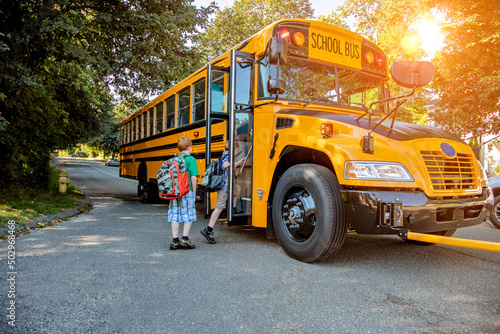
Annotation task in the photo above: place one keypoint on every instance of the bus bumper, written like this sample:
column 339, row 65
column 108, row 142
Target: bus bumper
column 387, row 212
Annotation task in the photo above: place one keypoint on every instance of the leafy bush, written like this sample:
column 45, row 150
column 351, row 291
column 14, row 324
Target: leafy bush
column 81, row 154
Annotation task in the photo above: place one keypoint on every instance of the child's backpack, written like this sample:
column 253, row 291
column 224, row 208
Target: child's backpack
column 172, row 178
column 212, row 178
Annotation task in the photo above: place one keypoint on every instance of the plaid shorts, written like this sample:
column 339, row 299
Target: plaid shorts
column 182, row 210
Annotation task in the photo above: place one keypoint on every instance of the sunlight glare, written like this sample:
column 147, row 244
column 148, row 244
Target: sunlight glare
column 431, row 37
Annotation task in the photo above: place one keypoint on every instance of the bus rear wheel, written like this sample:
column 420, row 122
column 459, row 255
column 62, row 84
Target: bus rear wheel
column 308, row 213
column 147, row 192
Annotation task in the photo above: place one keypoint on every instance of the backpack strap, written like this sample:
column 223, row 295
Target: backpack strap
column 179, row 203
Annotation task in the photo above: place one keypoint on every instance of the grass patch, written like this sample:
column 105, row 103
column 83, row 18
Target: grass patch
column 23, row 205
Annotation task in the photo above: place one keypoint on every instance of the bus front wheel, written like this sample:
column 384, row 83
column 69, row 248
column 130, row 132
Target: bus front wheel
column 308, row 213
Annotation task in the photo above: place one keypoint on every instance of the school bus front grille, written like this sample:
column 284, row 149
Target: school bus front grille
column 450, row 174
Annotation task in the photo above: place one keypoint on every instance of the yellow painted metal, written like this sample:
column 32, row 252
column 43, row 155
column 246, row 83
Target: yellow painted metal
column 466, row 243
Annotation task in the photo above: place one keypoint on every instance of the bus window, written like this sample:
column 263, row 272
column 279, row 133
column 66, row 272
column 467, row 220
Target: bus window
column 360, row 90
column 199, row 101
column 170, row 111
column 183, row 110
column 314, row 82
column 144, row 124
column 133, row 130
column 139, row 127
column 304, row 80
column 218, row 92
column 159, row 117
column 151, row 122
column 310, row 81
column 128, row 132
column 243, row 82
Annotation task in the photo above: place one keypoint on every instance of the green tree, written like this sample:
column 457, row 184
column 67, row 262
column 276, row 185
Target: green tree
column 335, row 19
column 109, row 141
column 60, row 59
column 468, row 67
column 391, row 25
column 233, row 25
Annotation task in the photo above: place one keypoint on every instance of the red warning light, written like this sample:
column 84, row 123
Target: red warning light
column 284, row 33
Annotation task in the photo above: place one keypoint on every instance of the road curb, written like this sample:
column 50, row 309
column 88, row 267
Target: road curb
column 50, row 218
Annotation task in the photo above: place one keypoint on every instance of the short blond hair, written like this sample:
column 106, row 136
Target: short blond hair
column 183, row 143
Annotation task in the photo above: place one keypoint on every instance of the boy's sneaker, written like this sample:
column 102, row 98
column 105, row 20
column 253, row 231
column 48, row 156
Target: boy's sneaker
column 208, row 235
column 174, row 244
column 187, row 244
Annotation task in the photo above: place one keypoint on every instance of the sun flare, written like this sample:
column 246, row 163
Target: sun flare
column 432, row 38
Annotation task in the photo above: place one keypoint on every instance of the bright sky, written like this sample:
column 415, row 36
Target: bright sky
column 321, row 7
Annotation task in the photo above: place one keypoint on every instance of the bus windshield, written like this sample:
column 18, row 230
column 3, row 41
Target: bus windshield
column 312, row 82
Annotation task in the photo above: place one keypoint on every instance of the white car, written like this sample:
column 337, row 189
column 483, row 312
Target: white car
column 112, row 162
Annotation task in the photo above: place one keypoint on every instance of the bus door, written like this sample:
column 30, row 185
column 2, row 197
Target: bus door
column 217, row 115
column 240, row 136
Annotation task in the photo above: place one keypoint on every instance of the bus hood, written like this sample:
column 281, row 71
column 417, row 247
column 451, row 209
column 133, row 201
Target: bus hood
column 401, row 130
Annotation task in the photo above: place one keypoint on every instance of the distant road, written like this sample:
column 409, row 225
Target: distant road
column 110, row 271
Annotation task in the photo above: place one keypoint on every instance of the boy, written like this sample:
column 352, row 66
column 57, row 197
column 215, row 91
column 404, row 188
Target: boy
column 183, row 209
column 208, row 232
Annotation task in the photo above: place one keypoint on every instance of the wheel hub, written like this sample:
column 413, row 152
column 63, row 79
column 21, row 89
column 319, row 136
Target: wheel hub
column 299, row 214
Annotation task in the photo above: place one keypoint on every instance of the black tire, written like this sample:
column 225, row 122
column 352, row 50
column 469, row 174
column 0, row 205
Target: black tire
column 447, row 233
column 495, row 213
column 308, row 213
column 143, row 188
column 145, row 194
column 140, row 187
column 150, row 193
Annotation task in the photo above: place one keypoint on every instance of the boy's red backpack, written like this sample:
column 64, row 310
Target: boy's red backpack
column 172, row 178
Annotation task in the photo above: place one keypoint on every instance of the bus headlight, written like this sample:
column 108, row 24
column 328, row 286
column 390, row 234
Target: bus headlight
column 376, row 170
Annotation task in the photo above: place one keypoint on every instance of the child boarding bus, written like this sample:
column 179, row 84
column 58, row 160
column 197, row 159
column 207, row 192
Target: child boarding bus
column 306, row 107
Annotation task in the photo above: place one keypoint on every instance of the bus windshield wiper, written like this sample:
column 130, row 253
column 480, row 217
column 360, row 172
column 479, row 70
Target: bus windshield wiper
column 368, row 140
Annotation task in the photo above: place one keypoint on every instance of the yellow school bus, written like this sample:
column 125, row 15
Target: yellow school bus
column 306, row 107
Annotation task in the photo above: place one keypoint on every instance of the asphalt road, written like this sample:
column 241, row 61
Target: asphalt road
column 111, row 271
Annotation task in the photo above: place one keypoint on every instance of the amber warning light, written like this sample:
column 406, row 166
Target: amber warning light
column 297, row 37
column 370, row 59
column 326, row 129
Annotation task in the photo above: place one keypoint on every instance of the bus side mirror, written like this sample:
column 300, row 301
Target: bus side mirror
column 275, row 86
column 410, row 74
column 278, row 50
column 278, row 53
